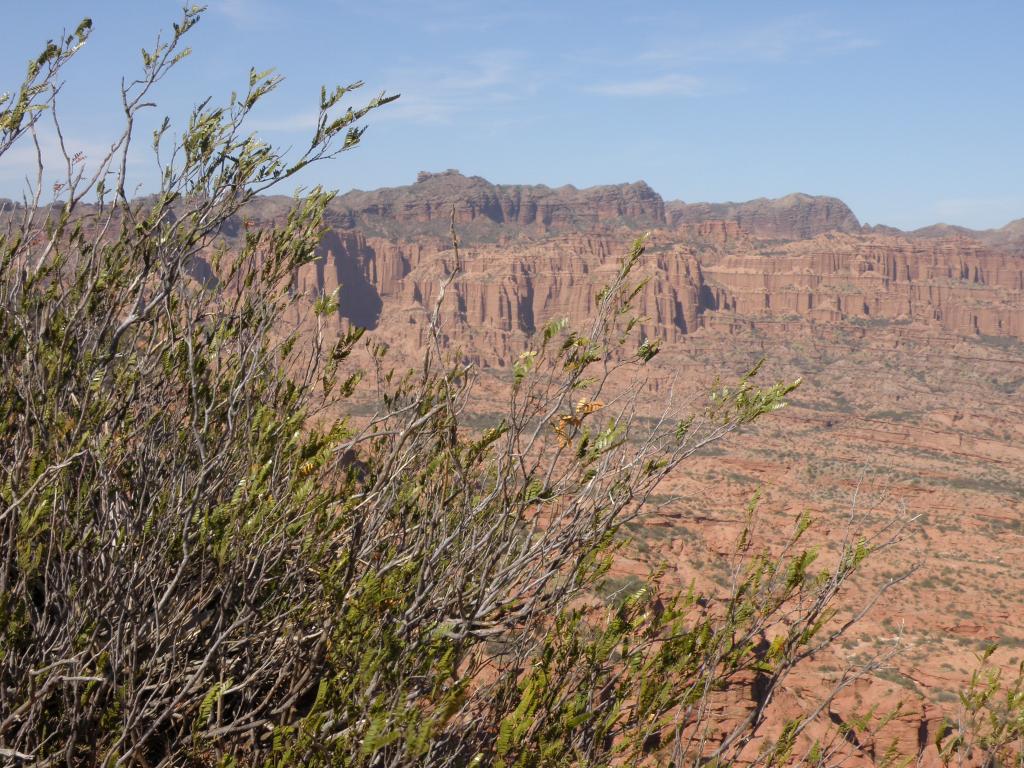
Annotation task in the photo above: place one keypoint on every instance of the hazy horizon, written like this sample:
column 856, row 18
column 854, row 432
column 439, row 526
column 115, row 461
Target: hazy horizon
column 904, row 113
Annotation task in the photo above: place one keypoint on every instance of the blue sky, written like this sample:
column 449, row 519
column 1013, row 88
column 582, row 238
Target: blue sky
column 909, row 111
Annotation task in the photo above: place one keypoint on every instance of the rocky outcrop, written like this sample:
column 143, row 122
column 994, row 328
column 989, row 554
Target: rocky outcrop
column 1009, row 237
column 485, row 211
column 957, row 284
column 794, row 217
column 505, row 291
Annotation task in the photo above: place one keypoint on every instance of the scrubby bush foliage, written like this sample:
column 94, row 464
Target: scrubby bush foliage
column 204, row 562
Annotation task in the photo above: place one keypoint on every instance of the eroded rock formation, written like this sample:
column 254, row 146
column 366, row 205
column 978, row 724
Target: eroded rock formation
column 533, row 253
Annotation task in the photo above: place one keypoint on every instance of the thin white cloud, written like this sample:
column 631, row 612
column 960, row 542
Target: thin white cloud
column 664, row 85
column 855, row 44
column 484, row 72
column 783, row 39
column 834, row 41
column 245, row 13
column 435, row 95
column 442, row 95
column 681, row 64
column 419, row 110
column 467, row 18
column 469, row 21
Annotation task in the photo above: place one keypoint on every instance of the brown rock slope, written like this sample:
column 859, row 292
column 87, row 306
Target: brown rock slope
column 794, row 217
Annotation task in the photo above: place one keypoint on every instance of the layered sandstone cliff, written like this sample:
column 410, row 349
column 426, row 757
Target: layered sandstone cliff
column 956, row 284
column 530, row 254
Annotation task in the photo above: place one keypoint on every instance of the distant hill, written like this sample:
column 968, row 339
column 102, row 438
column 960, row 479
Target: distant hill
column 793, row 217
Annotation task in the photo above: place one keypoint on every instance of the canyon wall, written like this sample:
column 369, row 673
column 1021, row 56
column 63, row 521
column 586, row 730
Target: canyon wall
column 530, row 254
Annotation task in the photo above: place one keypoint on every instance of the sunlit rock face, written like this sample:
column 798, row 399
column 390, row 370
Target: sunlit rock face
column 532, row 253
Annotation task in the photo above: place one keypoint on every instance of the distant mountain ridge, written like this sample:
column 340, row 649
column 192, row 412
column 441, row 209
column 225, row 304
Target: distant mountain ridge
column 483, row 208
column 793, row 217
column 487, row 211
